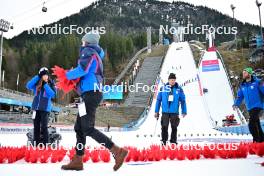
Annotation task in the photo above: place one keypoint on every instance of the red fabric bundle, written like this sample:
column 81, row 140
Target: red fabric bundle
column 209, row 152
column 242, row 151
column 11, row 155
column 260, row 149
column 172, row 154
column 135, row 154
column 71, row 153
column 192, row 154
column 143, row 155
column 222, row 153
column 198, row 152
column 62, row 82
column 54, row 158
column 165, row 152
column 14, row 154
column 57, row 155
column 153, row 153
column 61, row 155
column 150, row 155
column 105, row 155
column 44, row 156
column 129, row 156
column 180, row 154
column 86, row 156
column 21, row 153
column 27, row 156
column 230, row 153
column 2, row 156
column 95, row 156
column 33, row 156
column 157, row 152
column 252, row 148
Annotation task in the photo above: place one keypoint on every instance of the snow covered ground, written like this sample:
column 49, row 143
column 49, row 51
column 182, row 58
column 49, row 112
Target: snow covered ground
column 241, row 167
column 196, row 127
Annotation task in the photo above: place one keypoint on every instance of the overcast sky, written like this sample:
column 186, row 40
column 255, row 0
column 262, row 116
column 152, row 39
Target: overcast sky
column 26, row 14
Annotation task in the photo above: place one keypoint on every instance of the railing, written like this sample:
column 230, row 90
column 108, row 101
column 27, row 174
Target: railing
column 7, row 116
column 129, row 65
column 24, row 96
column 137, row 123
column 242, row 129
column 17, row 92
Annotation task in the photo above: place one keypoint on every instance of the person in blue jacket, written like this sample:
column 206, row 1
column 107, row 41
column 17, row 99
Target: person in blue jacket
column 90, row 72
column 252, row 90
column 44, row 90
column 170, row 97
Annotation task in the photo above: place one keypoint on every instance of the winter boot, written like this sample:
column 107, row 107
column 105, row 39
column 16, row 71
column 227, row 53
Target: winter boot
column 75, row 164
column 119, row 155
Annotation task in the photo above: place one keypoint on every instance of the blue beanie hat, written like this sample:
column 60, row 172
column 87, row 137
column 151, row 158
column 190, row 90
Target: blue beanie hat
column 91, row 37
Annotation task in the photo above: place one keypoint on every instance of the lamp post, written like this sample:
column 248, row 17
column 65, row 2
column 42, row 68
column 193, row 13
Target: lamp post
column 233, row 11
column 258, row 5
column 4, row 27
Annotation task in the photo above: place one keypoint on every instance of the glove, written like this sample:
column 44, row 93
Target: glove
column 156, row 115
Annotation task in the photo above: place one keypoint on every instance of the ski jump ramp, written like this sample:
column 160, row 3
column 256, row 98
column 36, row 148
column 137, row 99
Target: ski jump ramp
column 219, row 98
column 179, row 60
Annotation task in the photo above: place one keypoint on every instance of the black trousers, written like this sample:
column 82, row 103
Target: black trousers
column 254, row 125
column 41, row 127
column 174, row 120
column 84, row 126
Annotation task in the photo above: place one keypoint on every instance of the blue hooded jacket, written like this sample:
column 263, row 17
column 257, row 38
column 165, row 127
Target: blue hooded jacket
column 251, row 92
column 89, row 69
column 178, row 99
column 42, row 99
